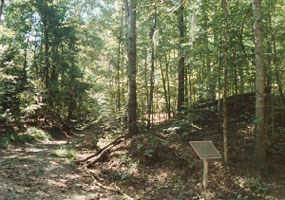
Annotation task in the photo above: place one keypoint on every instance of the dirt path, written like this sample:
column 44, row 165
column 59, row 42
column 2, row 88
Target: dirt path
column 32, row 172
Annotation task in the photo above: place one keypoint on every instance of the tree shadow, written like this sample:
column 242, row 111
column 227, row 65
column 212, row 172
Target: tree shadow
column 31, row 172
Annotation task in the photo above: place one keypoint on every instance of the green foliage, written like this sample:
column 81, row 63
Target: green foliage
column 172, row 129
column 71, row 56
column 40, row 60
column 64, row 152
column 150, row 149
column 31, row 135
column 11, row 83
column 4, row 142
column 257, row 186
column 37, row 134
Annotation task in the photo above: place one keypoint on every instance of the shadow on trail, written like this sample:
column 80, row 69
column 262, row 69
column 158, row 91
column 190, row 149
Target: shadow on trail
column 32, row 172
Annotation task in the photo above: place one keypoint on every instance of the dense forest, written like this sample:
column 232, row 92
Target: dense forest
column 127, row 84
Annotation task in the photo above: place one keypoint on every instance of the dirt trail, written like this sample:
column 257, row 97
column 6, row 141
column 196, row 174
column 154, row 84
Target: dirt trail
column 32, row 172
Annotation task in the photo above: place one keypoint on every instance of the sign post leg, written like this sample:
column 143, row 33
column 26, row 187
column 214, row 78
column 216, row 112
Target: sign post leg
column 205, row 173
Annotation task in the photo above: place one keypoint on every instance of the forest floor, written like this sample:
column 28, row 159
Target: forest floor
column 157, row 164
column 32, row 172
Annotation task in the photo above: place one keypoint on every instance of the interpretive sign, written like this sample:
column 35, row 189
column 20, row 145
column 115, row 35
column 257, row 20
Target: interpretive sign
column 205, row 150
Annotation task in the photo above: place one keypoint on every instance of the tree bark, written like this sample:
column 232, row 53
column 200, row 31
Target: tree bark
column 165, row 93
column 276, row 70
column 260, row 88
column 132, row 54
column 151, row 90
column 1, row 8
column 118, row 75
column 181, row 62
column 168, row 87
column 225, row 96
column 146, row 84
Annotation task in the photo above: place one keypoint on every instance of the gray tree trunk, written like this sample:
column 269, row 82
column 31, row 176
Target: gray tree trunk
column 226, row 63
column 260, row 88
column 181, row 62
column 1, row 8
column 131, row 44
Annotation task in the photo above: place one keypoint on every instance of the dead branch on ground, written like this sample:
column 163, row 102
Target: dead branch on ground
column 99, row 155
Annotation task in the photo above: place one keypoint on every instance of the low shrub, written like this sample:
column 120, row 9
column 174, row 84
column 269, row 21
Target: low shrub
column 64, row 152
column 31, row 135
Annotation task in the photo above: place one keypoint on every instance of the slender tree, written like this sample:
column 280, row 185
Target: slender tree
column 131, row 7
column 151, row 90
column 164, row 74
column 260, row 88
column 181, row 62
column 120, row 39
column 1, row 8
column 226, row 63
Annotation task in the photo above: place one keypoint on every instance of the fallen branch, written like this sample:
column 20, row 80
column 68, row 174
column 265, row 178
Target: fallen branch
column 99, row 157
column 102, row 152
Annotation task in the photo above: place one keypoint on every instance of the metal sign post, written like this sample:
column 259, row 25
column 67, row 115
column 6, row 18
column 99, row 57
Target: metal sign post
column 205, row 150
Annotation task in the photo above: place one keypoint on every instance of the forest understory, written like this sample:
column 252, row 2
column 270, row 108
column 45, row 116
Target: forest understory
column 156, row 164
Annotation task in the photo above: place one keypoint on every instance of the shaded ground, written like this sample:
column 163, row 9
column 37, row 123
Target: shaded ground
column 32, row 172
column 157, row 164
column 170, row 175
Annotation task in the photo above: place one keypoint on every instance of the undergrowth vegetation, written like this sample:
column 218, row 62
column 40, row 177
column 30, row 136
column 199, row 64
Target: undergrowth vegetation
column 30, row 135
column 64, row 152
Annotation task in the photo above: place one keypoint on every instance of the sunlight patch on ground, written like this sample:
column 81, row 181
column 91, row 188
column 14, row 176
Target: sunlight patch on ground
column 35, row 150
column 56, row 142
column 80, row 196
column 53, row 166
column 157, row 118
column 9, row 157
column 59, row 183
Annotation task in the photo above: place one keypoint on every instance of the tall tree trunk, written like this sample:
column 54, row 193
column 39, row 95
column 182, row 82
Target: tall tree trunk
column 276, row 70
column 119, row 65
column 186, row 99
column 118, row 76
column 168, row 87
column 209, row 84
column 151, row 90
column 146, row 84
column 163, row 77
column 269, row 49
column 150, row 105
column 260, row 88
column 1, row 8
column 181, row 62
column 47, row 57
column 132, row 54
column 226, row 63
column 120, row 39
column 46, row 67
column 279, row 85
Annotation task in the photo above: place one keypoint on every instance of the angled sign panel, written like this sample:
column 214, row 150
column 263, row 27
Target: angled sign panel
column 205, row 150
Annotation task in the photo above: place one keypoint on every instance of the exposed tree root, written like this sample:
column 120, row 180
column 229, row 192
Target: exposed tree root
column 111, row 188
